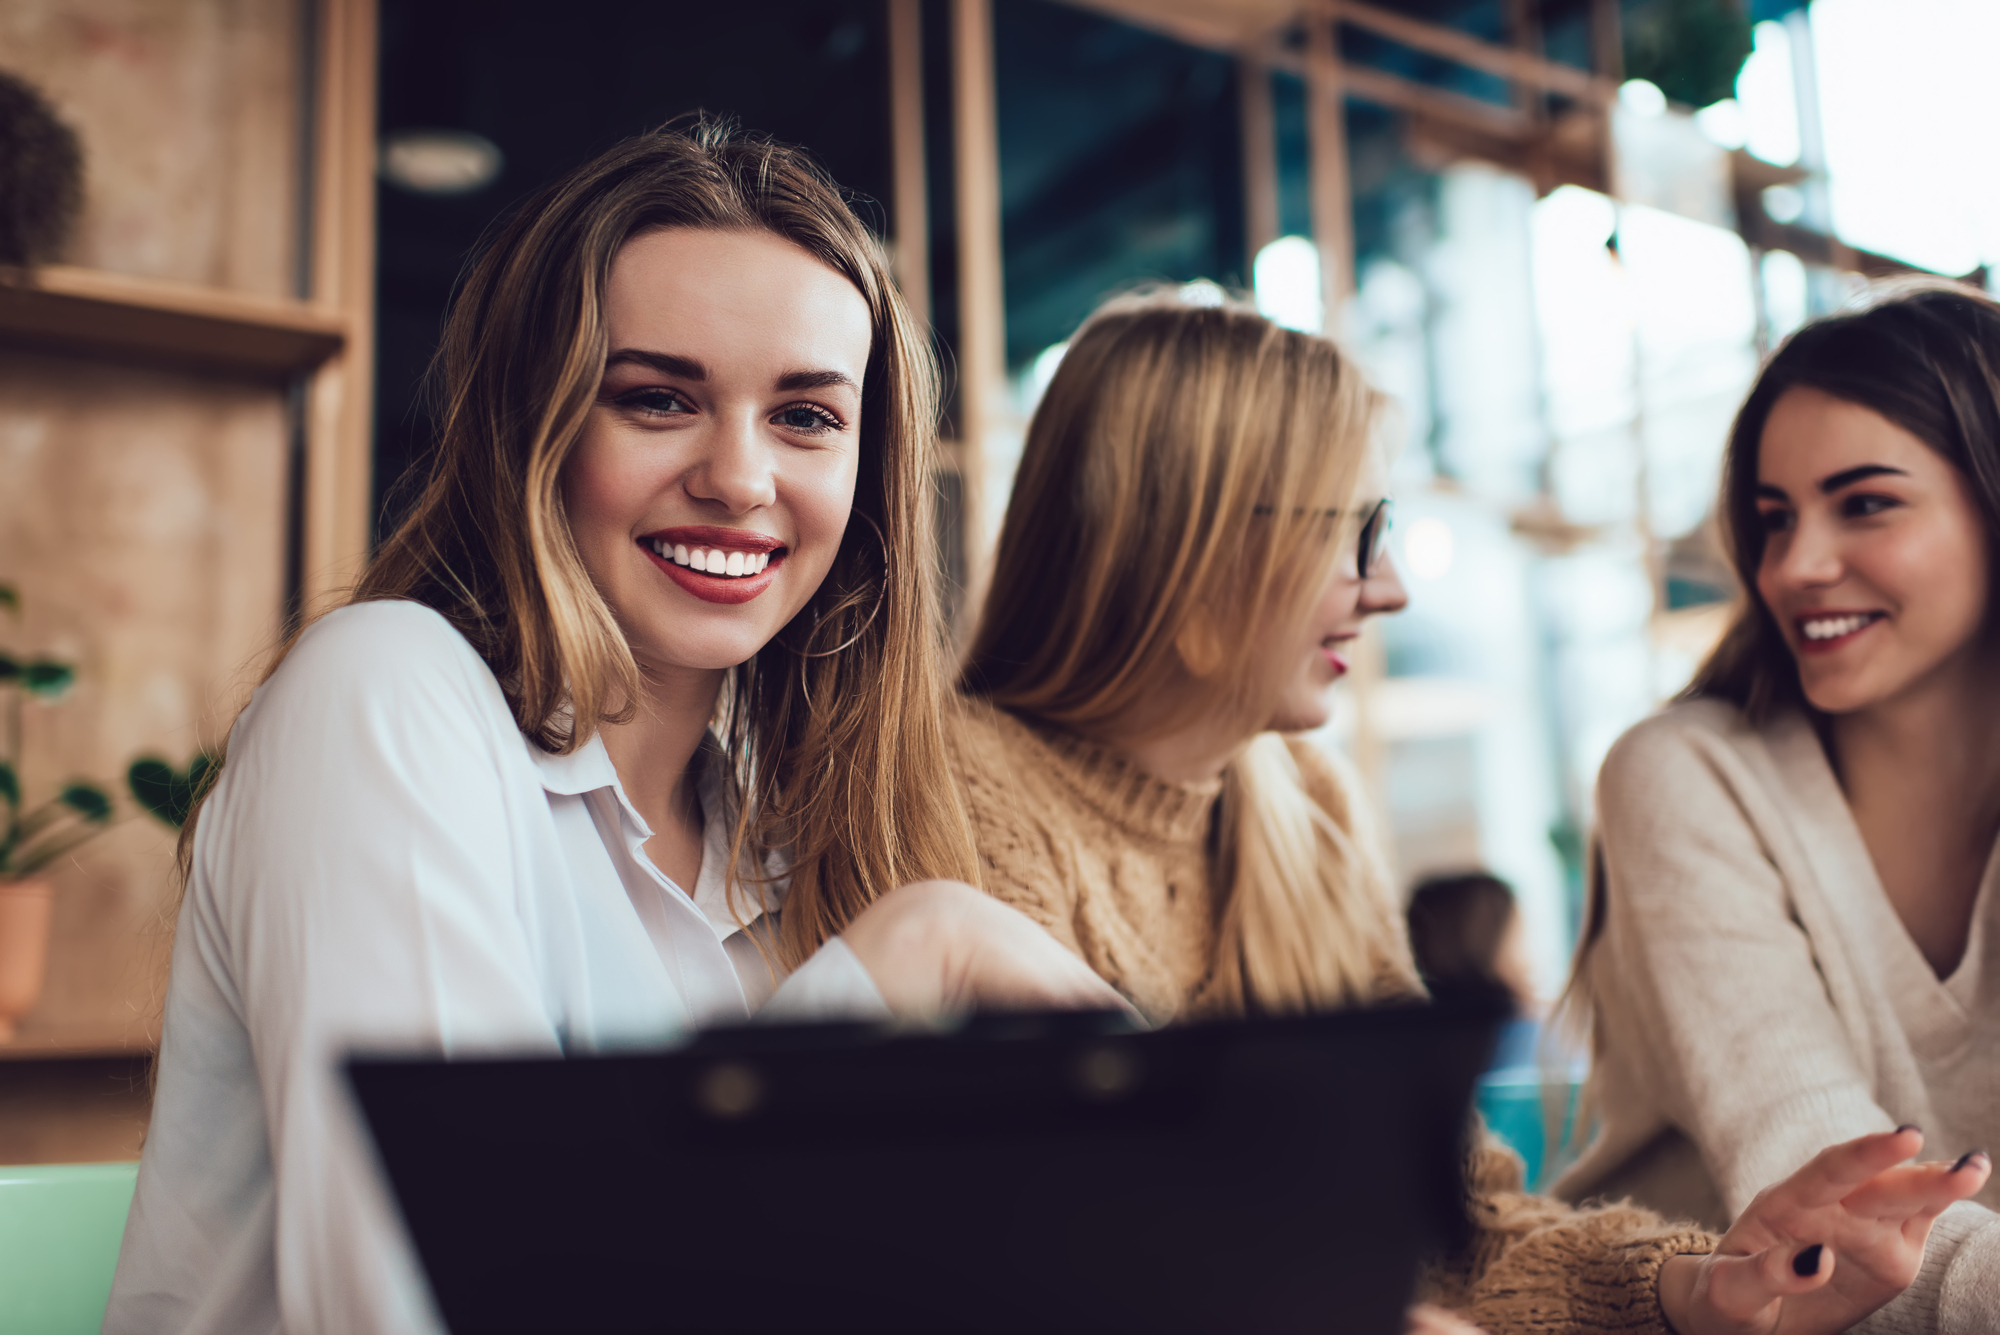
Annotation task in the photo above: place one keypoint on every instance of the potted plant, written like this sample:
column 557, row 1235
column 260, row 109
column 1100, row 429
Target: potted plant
column 32, row 836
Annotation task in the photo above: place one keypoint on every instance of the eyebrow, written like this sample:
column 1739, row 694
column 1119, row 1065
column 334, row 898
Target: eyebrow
column 687, row 368
column 1833, row 482
column 1848, row 477
column 792, row 380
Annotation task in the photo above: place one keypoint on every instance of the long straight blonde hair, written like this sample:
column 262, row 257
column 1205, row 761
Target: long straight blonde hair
column 1187, row 487
column 831, row 732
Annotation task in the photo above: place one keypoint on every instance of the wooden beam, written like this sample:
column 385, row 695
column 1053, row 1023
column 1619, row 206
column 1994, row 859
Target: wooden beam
column 982, row 311
column 906, row 144
column 339, row 474
column 1438, row 40
column 1260, row 159
column 1332, row 196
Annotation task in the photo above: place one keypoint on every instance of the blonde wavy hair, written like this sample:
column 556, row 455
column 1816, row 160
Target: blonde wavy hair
column 832, row 731
column 1188, row 484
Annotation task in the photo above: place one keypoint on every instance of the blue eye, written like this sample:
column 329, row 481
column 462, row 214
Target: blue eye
column 807, row 417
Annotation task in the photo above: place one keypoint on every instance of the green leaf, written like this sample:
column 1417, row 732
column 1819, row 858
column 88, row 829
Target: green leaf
column 10, row 786
column 47, row 678
column 10, row 598
column 88, row 801
column 167, row 793
column 9, row 669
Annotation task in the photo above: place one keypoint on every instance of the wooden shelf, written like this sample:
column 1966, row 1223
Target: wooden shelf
column 59, row 308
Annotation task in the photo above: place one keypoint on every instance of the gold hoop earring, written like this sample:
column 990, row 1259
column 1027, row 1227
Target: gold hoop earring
column 881, row 596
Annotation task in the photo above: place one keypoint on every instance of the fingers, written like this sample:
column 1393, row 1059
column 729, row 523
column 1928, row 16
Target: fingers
column 1741, row 1287
column 1919, row 1190
column 1839, row 1169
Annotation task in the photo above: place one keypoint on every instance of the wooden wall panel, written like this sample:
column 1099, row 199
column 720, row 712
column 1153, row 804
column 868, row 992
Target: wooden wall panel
column 143, row 519
column 189, row 115
column 142, row 513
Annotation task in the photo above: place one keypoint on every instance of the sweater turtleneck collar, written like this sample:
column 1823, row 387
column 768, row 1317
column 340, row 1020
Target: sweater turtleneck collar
column 1125, row 793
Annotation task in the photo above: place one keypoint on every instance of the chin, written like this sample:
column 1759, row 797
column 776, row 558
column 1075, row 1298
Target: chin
column 1300, row 720
column 1842, row 695
column 701, row 652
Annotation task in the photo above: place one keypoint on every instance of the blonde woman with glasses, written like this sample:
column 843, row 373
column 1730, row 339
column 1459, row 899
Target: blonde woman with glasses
column 1194, row 542
column 682, row 476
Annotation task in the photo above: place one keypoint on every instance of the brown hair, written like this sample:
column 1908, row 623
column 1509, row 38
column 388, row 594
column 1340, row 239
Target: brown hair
column 1188, row 482
column 1457, row 926
column 1925, row 354
column 832, row 730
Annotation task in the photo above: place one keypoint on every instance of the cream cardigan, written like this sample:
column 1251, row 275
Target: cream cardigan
column 1756, row 998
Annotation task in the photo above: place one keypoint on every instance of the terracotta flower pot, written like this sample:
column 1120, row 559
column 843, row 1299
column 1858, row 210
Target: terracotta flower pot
column 25, row 908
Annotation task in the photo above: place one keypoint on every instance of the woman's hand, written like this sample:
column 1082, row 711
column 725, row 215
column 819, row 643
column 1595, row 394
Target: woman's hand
column 938, row 947
column 1424, row 1319
column 1825, row 1247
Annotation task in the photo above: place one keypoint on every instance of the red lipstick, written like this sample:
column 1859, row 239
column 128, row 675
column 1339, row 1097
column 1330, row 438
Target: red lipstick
column 665, row 546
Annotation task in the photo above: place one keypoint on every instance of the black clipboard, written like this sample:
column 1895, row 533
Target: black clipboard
column 1028, row 1172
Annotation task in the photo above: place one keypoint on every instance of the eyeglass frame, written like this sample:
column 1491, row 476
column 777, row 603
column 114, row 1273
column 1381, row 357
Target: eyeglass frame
column 1373, row 538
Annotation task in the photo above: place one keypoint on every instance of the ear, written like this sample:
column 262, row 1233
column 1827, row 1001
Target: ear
column 1200, row 646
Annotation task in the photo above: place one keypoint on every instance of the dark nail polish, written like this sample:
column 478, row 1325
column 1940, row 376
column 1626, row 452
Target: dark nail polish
column 1909, row 1126
column 1806, row 1263
column 1967, row 1158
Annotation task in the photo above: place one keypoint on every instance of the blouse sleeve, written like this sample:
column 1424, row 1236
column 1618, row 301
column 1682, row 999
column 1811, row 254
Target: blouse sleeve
column 356, row 873
column 1707, row 983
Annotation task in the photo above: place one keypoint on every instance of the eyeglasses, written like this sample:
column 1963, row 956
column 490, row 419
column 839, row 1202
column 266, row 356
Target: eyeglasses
column 1374, row 536
column 1375, row 521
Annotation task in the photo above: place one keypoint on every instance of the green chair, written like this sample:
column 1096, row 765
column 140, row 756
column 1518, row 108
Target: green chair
column 1512, row 1104
column 60, row 1225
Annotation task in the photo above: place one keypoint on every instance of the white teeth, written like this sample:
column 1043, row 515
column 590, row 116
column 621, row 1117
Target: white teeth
column 712, row 561
column 1832, row 628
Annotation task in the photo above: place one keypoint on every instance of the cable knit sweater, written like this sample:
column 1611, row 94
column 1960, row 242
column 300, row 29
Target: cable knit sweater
column 1756, row 996
column 1117, row 865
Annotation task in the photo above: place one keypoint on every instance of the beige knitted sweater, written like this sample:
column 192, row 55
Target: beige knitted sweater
column 1757, row 998
column 1116, row 864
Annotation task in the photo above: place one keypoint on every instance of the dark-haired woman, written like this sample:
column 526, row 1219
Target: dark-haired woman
column 1794, row 936
column 682, row 475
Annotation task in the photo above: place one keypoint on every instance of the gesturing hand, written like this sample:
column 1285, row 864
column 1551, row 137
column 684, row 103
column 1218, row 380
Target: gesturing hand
column 1825, row 1247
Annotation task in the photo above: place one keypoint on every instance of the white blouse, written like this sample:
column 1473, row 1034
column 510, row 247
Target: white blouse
column 386, row 863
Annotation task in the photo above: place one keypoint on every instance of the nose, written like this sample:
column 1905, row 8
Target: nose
column 734, row 470
column 1382, row 592
column 1806, row 557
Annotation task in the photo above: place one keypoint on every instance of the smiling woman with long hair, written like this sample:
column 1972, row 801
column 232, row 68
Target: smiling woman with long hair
column 1193, row 545
column 682, row 475
column 1792, row 936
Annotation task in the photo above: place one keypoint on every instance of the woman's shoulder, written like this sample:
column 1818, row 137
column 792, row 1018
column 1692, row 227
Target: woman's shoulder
column 1696, row 731
column 1701, row 761
column 375, row 654
column 984, row 741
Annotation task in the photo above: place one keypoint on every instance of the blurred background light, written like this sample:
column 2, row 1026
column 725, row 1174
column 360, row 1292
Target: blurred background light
column 1287, row 283
column 1643, row 97
column 439, row 162
column 1427, row 548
